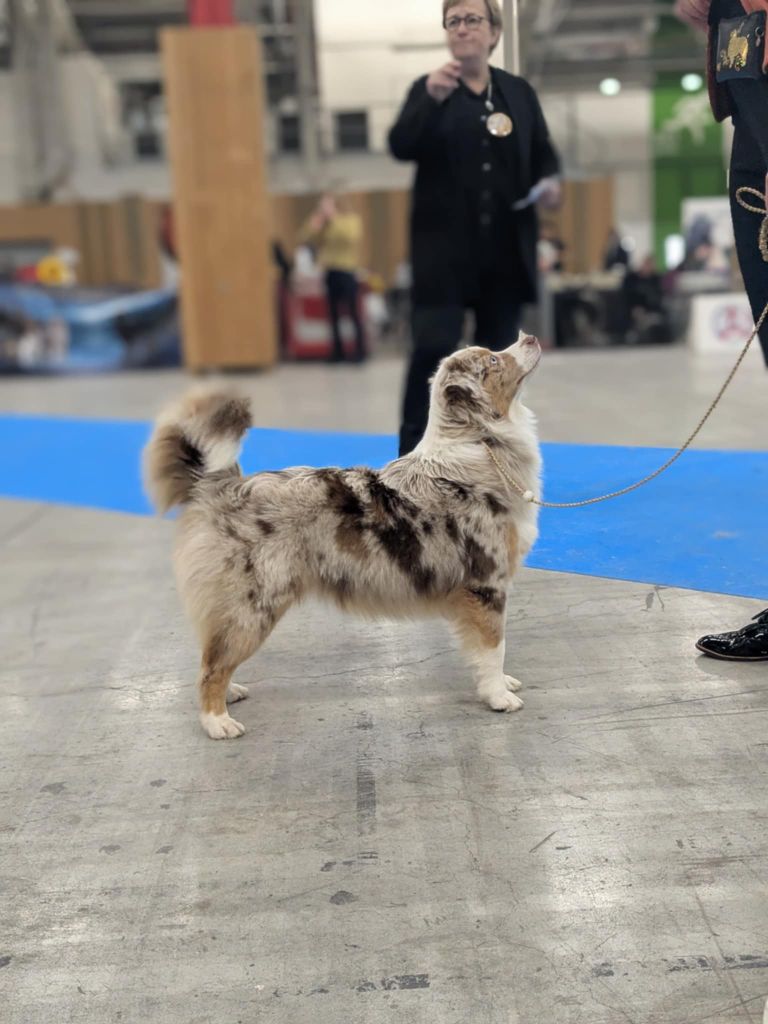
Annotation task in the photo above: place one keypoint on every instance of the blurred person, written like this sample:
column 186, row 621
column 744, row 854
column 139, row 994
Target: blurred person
column 615, row 254
column 647, row 317
column 336, row 232
column 546, row 256
column 701, row 252
column 483, row 156
column 284, row 267
column 551, row 249
column 698, row 233
column 644, row 286
column 745, row 99
column 281, row 261
column 698, row 258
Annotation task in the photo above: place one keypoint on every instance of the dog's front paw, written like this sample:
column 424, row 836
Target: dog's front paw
column 236, row 693
column 221, row 727
column 505, row 702
column 513, row 685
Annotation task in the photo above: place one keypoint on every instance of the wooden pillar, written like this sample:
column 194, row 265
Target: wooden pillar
column 215, row 93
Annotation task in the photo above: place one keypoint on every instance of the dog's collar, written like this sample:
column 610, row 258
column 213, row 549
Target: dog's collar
column 528, row 496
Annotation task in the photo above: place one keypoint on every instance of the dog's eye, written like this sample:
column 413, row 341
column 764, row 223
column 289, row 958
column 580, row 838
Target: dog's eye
column 493, row 361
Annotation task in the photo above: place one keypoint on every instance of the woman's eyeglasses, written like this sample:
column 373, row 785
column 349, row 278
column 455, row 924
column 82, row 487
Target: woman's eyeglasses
column 472, row 21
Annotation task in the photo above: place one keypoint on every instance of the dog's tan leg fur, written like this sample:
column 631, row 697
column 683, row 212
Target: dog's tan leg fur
column 222, row 655
column 478, row 617
column 215, row 719
column 227, row 649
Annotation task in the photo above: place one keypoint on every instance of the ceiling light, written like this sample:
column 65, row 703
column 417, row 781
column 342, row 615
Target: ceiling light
column 610, row 87
column 692, row 82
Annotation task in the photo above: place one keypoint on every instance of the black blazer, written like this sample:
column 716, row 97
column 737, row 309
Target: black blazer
column 422, row 133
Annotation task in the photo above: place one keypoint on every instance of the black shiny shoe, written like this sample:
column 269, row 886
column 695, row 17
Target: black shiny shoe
column 747, row 644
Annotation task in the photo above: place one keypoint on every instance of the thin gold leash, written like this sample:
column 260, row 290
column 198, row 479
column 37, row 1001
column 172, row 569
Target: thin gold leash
column 530, row 497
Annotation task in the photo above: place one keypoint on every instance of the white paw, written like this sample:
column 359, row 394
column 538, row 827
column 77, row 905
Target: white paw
column 504, row 702
column 513, row 685
column 221, row 727
column 236, row 693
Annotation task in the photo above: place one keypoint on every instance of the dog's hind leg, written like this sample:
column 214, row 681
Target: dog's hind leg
column 225, row 650
column 478, row 615
column 236, row 692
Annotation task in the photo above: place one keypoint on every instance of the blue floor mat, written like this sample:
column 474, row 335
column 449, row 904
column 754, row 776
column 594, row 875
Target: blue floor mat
column 700, row 526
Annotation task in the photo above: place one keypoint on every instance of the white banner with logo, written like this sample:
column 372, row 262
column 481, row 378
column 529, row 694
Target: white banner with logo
column 720, row 323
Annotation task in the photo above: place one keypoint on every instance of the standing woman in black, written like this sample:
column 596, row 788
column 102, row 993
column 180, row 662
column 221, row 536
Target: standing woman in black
column 480, row 144
column 739, row 89
column 743, row 97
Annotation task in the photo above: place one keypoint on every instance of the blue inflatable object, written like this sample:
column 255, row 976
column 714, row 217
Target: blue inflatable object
column 108, row 328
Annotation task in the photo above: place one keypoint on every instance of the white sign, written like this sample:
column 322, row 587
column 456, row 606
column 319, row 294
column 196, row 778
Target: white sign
column 720, row 323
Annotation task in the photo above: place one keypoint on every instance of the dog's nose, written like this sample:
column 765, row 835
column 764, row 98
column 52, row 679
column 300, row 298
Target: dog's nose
column 531, row 340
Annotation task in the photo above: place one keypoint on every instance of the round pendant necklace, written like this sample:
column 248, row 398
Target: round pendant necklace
column 498, row 124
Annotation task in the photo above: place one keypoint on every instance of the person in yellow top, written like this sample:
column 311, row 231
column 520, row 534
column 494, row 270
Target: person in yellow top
column 336, row 233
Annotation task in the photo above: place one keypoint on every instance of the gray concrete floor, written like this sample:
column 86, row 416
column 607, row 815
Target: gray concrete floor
column 378, row 847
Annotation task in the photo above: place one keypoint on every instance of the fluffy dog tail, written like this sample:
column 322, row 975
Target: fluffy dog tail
column 199, row 435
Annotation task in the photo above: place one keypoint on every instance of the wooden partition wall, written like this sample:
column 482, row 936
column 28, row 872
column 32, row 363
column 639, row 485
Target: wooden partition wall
column 214, row 85
column 117, row 242
column 583, row 223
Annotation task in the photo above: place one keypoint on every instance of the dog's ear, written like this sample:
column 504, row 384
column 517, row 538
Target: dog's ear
column 464, row 399
column 461, row 395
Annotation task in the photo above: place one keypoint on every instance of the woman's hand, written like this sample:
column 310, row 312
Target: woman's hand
column 695, row 12
column 444, row 82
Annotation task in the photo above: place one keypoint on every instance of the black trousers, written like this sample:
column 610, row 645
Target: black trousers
column 343, row 291
column 437, row 332
column 749, row 163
